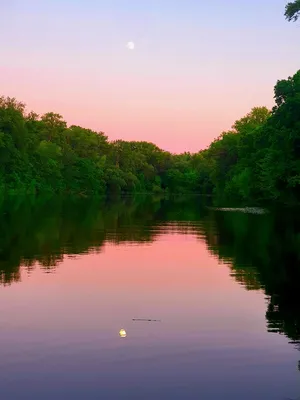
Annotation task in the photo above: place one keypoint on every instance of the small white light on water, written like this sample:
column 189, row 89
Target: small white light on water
column 122, row 333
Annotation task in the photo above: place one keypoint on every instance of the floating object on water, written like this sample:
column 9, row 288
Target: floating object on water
column 145, row 319
column 247, row 210
column 122, row 333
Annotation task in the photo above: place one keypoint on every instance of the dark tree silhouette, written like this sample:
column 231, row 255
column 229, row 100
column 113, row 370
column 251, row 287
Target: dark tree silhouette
column 292, row 10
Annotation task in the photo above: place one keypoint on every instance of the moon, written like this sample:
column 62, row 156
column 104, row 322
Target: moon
column 130, row 46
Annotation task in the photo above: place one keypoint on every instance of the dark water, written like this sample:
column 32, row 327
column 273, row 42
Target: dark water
column 223, row 284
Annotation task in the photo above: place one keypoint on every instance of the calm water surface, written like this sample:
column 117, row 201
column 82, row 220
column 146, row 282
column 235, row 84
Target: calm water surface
column 224, row 285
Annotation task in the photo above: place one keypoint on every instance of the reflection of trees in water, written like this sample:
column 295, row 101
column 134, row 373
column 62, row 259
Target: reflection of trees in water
column 41, row 231
column 262, row 251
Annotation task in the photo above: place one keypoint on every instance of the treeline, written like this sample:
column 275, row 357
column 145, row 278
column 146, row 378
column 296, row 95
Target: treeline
column 42, row 154
column 259, row 158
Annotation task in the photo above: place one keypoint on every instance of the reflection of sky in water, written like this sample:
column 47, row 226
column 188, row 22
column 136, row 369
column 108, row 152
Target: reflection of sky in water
column 59, row 332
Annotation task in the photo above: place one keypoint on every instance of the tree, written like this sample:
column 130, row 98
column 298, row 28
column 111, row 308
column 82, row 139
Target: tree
column 53, row 127
column 253, row 120
column 259, row 158
column 292, row 10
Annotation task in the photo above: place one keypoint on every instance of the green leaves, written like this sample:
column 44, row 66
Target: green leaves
column 49, row 150
column 257, row 159
column 292, row 10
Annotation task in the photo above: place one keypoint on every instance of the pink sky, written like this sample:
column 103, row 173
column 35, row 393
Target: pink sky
column 188, row 79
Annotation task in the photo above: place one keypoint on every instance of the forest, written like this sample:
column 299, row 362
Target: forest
column 259, row 158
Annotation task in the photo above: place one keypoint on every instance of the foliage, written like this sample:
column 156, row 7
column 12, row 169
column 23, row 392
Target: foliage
column 292, row 10
column 42, row 154
column 259, row 158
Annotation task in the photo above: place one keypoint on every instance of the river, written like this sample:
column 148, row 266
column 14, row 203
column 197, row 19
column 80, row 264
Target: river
column 80, row 279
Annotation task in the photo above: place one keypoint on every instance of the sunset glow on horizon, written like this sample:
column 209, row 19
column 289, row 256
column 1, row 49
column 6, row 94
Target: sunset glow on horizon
column 173, row 73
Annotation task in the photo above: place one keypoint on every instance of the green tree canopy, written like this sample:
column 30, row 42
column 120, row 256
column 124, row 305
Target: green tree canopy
column 292, row 10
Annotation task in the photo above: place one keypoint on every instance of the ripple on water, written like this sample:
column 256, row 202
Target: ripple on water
column 247, row 210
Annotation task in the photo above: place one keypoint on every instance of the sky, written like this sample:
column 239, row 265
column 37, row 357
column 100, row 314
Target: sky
column 197, row 66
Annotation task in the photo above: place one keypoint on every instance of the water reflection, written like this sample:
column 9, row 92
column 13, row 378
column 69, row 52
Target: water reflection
column 123, row 333
column 262, row 250
column 61, row 333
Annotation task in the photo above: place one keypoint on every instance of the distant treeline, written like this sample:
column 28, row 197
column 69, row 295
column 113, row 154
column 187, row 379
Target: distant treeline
column 259, row 158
